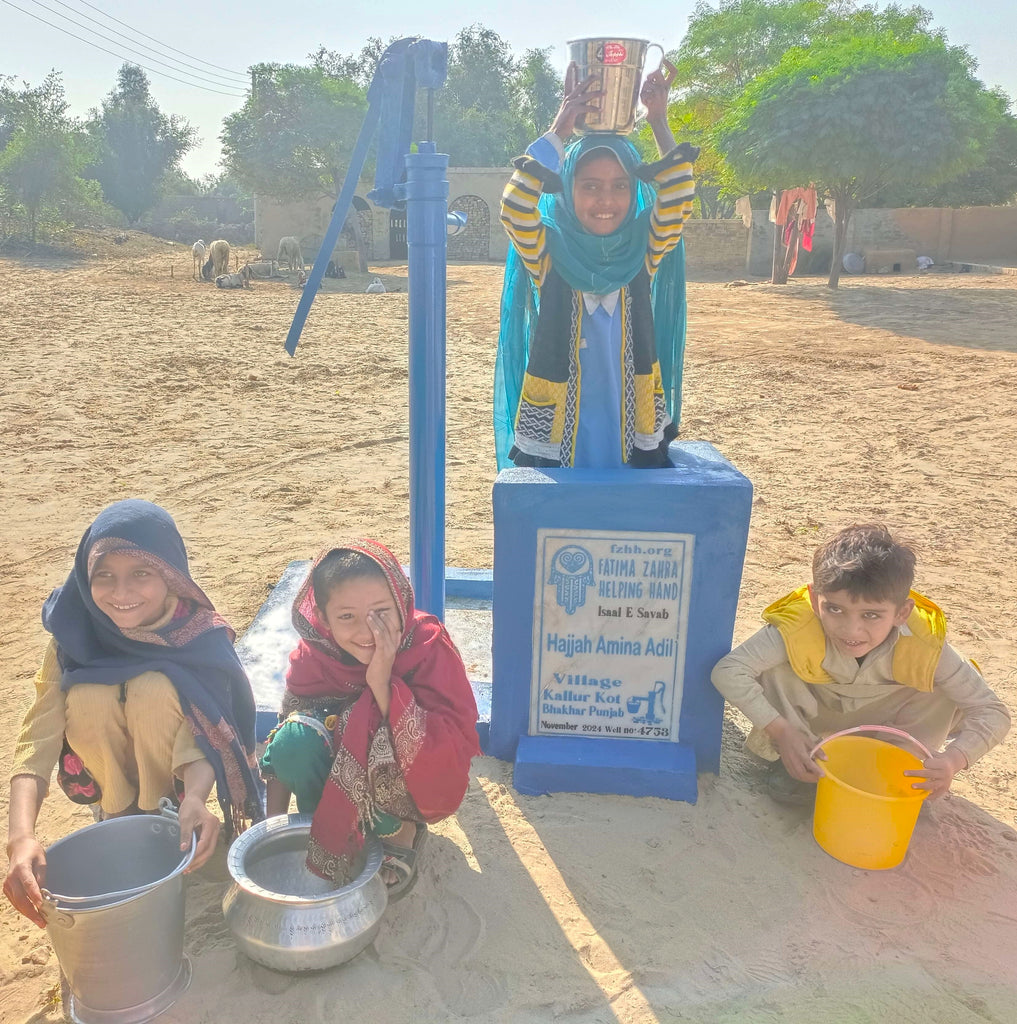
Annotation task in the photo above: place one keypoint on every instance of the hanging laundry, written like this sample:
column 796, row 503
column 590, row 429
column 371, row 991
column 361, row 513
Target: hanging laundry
column 794, row 210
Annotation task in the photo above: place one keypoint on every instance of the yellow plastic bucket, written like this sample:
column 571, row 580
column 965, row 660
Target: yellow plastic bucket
column 866, row 808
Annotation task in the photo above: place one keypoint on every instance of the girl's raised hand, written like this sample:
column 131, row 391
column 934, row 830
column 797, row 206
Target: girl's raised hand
column 653, row 96
column 577, row 101
column 386, row 633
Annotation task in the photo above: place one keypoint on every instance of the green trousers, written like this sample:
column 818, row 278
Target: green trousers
column 299, row 757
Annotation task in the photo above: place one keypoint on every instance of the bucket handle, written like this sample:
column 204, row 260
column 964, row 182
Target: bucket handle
column 667, row 69
column 873, row 728
column 51, row 912
column 51, row 901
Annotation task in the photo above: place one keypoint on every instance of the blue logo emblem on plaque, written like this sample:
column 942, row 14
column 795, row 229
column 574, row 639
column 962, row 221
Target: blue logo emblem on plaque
column 571, row 573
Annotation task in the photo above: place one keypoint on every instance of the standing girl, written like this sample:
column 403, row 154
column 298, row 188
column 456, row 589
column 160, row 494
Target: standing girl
column 378, row 719
column 585, row 325
column 140, row 696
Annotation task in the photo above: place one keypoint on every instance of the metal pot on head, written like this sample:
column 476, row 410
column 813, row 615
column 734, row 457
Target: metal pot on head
column 287, row 918
column 618, row 64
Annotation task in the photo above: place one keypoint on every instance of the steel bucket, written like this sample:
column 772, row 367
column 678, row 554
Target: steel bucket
column 285, row 917
column 114, row 911
column 618, row 63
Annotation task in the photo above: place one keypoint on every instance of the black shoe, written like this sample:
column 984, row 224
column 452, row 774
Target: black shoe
column 784, row 789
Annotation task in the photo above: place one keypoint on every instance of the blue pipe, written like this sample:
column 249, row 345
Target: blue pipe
column 339, row 211
column 426, row 237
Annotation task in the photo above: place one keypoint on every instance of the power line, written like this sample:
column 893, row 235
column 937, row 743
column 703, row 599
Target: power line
column 165, row 46
column 106, row 28
column 130, row 49
column 119, row 56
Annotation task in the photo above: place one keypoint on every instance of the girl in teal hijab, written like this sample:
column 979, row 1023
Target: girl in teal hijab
column 614, row 239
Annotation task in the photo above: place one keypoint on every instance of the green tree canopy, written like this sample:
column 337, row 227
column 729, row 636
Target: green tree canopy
column 726, row 47
column 723, row 50
column 137, row 144
column 476, row 118
column 856, row 115
column 42, row 152
column 491, row 105
column 993, row 183
column 294, row 135
column 358, row 67
column 538, row 91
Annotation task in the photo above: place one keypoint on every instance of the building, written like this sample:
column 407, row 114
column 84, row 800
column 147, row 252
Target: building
column 474, row 190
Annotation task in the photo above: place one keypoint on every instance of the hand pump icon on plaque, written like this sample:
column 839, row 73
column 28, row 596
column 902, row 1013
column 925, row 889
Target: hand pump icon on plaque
column 654, row 701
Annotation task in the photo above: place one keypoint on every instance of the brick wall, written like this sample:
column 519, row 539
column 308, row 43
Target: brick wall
column 715, row 247
column 975, row 234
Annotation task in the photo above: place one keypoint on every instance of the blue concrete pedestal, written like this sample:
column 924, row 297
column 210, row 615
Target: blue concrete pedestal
column 560, row 764
column 615, row 594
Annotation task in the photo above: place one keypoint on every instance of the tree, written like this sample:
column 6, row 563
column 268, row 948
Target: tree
column 991, row 184
column 692, row 120
column 294, row 136
column 725, row 48
column 42, row 152
column 358, row 67
column 491, row 105
column 856, row 115
column 137, row 144
column 476, row 116
column 538, row 91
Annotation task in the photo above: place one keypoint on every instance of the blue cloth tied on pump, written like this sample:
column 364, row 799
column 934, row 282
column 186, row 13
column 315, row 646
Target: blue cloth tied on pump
column 407, row 65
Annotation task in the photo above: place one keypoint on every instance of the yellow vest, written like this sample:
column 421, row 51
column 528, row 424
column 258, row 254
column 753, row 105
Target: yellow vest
column 915, row 656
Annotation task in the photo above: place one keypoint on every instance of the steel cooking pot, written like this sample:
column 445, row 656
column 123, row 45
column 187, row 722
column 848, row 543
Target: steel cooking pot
column 287, row 918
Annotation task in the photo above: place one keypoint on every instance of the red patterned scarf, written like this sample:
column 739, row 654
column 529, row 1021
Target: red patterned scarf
column 414, row 764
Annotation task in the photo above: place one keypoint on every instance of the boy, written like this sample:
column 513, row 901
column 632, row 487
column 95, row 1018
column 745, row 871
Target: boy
column 858, row 647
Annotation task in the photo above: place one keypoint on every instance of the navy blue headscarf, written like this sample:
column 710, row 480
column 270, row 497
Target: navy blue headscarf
column 194, row 649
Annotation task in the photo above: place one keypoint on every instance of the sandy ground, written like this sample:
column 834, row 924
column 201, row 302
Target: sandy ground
column 890, row 399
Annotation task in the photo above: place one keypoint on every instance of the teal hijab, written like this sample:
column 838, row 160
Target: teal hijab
column 588, row 263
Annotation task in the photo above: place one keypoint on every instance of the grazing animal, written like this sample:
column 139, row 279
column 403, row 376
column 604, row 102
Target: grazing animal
column 241, row 279
column 219, row 254
column 198, row 256
column 375, row 287
column 206, row 270
column 263, row 268
column 289, row 253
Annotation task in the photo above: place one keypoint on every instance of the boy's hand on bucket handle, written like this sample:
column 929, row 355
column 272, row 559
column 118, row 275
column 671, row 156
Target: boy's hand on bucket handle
column 576, row 102
column 795, row 750
column 937, row 772
column 25, row 877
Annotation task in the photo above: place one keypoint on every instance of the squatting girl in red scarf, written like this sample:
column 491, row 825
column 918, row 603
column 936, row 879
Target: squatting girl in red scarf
column 378, row 723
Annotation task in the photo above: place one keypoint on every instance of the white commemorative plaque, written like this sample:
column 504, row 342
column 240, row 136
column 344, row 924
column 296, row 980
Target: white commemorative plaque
column 609, row 633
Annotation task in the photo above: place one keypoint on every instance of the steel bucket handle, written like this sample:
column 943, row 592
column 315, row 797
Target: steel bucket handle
column 873, row 728
column 51, row 901
column 667, row 69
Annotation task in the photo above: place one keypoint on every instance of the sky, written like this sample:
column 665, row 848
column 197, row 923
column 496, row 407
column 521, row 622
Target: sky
column 185, row 38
